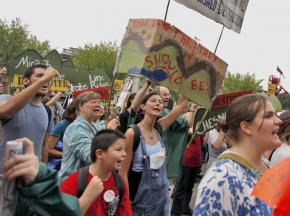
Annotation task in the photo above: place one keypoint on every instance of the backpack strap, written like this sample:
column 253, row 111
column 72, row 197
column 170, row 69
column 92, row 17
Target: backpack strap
column 159, row 129
column 238, row 159
column 119, row 183
column 82, row 180
column 49, row 114
column 137, row 134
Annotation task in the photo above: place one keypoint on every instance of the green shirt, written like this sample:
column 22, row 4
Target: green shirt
column 175, row 140
column 43, row 196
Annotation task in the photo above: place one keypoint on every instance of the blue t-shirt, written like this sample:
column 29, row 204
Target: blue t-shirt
column 59, row 129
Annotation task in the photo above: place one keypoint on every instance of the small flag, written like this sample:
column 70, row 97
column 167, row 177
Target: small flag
column 280, row 71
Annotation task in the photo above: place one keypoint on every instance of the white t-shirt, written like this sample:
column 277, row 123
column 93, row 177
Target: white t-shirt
column 281, row 153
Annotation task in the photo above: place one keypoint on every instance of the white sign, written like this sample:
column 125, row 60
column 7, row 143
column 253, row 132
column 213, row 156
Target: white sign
column 230, row 13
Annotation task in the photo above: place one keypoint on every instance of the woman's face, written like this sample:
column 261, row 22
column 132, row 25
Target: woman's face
column 153, row 106
column 264, row 128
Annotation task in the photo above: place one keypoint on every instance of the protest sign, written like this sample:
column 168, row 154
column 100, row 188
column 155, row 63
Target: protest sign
column 272, row 88
column 164, row 54
column 78, row 79
column 273, row 188
column 118, row 85
column 57, row 84
column 219, row 108
column 227, row 12
column 102, row 91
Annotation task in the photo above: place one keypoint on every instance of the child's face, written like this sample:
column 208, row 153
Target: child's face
column 115, row 155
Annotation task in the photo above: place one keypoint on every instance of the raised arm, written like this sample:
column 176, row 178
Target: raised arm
column 218, row 141
column 10, row 107
column 167, row 120
column 139, row 96
column 4, row 80
column 123, row 171
column 54, row 99
column 191, row 114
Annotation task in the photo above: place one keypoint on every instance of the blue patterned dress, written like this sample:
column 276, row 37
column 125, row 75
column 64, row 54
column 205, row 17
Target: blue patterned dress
column 225, row 190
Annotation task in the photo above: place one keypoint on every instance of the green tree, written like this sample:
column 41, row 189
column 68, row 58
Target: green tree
column 285, row 100
column 102, row 55
column 15, row 38
column 240, row 82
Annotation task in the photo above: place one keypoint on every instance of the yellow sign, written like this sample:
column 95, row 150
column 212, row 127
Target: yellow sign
column 57, row 84
column 271, row 88
column 118, row 85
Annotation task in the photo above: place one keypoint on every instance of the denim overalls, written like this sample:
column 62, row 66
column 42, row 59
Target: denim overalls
column 152, row 197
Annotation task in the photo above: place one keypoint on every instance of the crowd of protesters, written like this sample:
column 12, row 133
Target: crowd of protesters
column 81, row 159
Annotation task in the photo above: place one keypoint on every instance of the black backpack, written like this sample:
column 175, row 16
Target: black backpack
column 83, row 178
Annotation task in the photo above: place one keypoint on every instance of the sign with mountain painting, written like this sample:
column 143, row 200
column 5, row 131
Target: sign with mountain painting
column 164, row 54
column 78, row 79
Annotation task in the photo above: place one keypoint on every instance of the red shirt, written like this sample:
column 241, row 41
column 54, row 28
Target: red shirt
column 192, row 154
column 99, row 206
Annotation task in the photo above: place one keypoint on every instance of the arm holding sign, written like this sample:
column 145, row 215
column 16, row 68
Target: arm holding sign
column 54, row 99
column 139, row 96
column 167, row 120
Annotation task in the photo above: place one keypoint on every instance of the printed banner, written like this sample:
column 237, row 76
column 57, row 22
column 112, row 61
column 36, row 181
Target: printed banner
column 219, row 108
column 103, row 91
column 227, row 12
column 161, row 52
column 57, row 84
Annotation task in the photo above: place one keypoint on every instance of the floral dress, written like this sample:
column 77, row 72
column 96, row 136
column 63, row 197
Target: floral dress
column 225, row 190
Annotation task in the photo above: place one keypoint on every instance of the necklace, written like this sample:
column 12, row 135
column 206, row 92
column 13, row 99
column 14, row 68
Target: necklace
column 151, row 135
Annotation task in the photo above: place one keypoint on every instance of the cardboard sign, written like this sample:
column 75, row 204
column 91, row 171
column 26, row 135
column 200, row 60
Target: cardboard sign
column 164, row 54
column 118, row 85
column 273, row 188
column 227, row 12
column 272, row 88
column 218, row 109
column 57, row 84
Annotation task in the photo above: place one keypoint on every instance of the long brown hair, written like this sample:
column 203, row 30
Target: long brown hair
column 244, row 108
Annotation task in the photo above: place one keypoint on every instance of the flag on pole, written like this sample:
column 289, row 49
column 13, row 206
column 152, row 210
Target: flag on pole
column 280, row 71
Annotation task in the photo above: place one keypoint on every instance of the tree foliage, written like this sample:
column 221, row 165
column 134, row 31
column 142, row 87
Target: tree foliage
column 285, row 101
column 240, row 82
column 102, row 55
column 15, row 38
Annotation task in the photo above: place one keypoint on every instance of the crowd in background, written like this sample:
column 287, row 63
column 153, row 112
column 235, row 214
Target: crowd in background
column 80, row 158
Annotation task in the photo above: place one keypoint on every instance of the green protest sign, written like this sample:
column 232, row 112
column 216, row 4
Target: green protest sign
column 218, row 109
column 79, row 80
column 163, row 53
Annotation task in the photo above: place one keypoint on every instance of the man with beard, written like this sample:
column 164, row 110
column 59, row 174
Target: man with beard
column 24, row 115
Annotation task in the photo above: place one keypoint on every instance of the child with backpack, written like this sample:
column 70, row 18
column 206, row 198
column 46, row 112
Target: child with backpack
column 100, row 189
column 144, row 168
